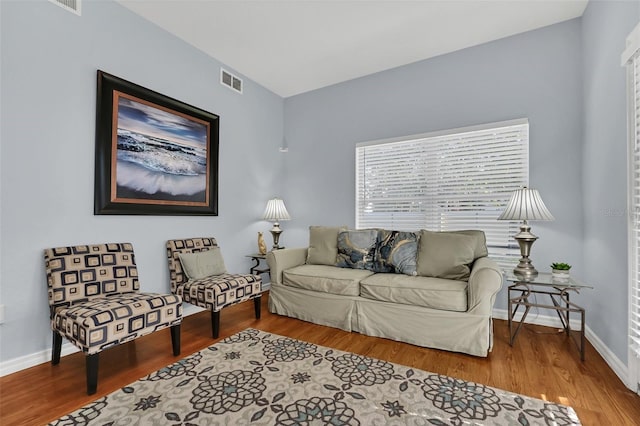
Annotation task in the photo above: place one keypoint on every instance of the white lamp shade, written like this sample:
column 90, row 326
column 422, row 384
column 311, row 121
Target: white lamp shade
column 526, row 204
column 276, row 211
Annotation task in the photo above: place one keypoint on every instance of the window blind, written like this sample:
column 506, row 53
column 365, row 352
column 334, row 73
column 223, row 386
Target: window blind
column 634, row 202
column 631, row 59
column 458, row 179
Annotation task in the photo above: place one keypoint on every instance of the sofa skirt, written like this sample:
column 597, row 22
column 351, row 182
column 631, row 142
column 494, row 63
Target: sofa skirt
column 448, row 330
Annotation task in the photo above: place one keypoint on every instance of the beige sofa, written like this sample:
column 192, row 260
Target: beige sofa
column 444, row 300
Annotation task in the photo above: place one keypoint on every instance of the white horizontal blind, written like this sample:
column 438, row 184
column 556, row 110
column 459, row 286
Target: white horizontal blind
column 461, row 179
column 634, row 204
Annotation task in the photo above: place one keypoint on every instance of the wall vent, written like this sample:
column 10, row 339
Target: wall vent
column 231, row 81
column 69, row 5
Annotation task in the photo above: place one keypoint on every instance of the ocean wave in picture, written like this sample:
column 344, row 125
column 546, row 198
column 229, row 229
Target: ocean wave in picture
column 160, row 155
column 142, row 179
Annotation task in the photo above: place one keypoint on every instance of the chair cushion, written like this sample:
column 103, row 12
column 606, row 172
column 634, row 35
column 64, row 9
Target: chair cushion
column 326, row 279
column 436, row 293
column 79, row 273
column 203, row 264
column 323, row 245
column 188, row 245
column 216, row 292
column 107, row 321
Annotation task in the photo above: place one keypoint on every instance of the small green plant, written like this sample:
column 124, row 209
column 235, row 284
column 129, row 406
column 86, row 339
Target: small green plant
column 560, row 266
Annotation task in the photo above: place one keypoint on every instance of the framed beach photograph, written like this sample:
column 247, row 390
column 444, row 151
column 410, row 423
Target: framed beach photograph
column 155, row 155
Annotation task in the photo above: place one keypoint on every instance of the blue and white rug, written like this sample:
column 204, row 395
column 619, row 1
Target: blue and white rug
column 257, row 378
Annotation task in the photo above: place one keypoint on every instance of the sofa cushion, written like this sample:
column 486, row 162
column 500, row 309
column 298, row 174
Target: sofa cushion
column 323, row 245
column 203, row 264
column 480, row 245
column 357, row 248
column 445, row 255
column 396, row 252
column 436, row 293
column 326, row 279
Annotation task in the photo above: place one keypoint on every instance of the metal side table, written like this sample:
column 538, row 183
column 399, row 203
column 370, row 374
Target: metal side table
column 256, row 269
column 557, row 290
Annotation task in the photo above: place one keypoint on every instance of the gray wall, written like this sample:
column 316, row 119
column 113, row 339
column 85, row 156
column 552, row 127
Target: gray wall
column 605, row 27
column 48, row 97
column 536, row 75
column 566, row 79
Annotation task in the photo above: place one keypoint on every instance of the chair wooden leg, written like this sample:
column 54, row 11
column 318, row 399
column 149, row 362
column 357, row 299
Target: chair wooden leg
column 92, row 373
column 175, row 339
column 56, row 347
column 257, row 305
column 215, row 323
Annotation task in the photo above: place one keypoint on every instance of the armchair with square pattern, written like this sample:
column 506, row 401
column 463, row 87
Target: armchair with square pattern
column 95, row 302
column 212, row 292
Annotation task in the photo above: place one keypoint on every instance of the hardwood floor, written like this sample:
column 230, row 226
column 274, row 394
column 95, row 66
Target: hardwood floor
column 542, row 364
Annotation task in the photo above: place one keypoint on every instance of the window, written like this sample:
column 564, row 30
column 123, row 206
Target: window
column 631, row 58
column 457, row 179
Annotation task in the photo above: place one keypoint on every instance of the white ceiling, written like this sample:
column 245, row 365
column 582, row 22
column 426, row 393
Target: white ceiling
column 294, row 46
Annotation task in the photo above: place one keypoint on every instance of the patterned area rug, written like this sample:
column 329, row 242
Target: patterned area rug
column 259, row 378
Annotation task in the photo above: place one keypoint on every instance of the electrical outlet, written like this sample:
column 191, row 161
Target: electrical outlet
column 1, row 314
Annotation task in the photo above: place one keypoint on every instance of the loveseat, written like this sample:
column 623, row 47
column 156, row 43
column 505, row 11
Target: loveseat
column 431, row 289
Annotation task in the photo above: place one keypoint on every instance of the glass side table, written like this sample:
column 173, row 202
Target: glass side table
column 557, row 290
column 256, row 269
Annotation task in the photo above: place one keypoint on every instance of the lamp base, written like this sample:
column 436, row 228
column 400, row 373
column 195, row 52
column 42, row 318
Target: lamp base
column 275, row 232
column 525, row 240
column 525, row 271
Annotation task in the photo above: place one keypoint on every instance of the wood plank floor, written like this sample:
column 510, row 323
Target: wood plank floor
column 542, row 364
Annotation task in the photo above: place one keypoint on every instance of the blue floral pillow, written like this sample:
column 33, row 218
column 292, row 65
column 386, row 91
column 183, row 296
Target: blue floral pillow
column 397, row 251
column 357, row 249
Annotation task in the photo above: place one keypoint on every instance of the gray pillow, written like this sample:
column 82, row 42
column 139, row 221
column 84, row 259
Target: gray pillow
column 202, row 264
column 396, row 252
column 445, row 255
column 357, row 249
column 323, row 245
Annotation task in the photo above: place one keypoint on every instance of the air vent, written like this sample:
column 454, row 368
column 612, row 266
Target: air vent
column 230, row 80
column 69, row 5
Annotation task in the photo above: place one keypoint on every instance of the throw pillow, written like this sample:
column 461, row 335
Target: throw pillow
column 323, row 245
column 396, row 252
column 356, row 249
column 480, row 246
column 203, row 263
column 445, row 255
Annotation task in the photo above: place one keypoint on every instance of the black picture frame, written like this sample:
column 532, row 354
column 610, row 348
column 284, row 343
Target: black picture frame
column 155, row 155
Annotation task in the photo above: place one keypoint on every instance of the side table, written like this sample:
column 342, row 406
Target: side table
column 256, row 269
column 557, row 290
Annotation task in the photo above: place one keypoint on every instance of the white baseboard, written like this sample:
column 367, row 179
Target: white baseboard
column 27, row 361
column 609, row 357
column 536, row 318
column 618, row 367
column 31, row 360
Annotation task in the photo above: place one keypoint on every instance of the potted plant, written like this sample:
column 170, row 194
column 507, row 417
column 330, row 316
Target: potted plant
column 560, row 270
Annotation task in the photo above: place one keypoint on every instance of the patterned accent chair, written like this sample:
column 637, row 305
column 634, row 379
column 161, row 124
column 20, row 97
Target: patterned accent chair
column 95, row 302
column 215, row 292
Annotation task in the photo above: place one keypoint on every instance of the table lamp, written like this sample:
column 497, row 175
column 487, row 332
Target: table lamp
column 275, row 212
column 525, row 204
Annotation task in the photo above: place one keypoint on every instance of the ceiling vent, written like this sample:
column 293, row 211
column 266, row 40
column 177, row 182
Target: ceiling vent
column 231, row 81
column 69, row 5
